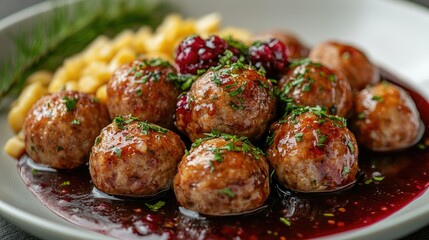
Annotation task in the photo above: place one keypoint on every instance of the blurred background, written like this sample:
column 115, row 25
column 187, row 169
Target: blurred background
column 10, row 6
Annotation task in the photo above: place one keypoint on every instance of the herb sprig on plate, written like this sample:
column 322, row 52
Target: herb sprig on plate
column 68, row 30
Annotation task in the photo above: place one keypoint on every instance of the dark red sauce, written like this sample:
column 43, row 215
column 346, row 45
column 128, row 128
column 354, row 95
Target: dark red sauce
column 69, row 194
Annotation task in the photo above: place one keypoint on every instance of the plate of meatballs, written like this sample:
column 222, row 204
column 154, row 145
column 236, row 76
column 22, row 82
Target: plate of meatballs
column 268, row 137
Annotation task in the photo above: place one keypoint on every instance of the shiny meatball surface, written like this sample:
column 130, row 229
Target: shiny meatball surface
column 145, row 89
column 311, row 152
column 222, row 176
column 134, row 158
column 61, row 128
column 312, row 84
column 295, row 48
column 349, row 60
column 386, row 118
column 234, row 99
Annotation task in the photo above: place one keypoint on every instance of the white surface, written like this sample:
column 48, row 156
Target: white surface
column 394, row 34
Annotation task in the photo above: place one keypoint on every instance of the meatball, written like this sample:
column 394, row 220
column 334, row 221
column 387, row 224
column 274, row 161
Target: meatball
column 349, row 60
column 145, row 89
column 134, row 158
column 295, row 49
column 222, row 176
column 312, row 84
column 386, row 118
column 61, row 128
column 234, row 99
column 311, row 151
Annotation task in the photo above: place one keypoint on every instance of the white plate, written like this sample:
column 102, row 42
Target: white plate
column 393, row 33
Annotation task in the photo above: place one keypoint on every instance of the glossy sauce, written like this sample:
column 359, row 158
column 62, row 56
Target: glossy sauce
column 70, row 195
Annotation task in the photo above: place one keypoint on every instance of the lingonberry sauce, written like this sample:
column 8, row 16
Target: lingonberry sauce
column 289, row 215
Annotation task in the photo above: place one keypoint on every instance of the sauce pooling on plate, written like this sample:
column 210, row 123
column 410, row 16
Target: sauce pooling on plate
column 388, row 182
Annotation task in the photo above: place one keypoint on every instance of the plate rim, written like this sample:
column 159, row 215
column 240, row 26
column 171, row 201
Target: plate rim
column 12, row 213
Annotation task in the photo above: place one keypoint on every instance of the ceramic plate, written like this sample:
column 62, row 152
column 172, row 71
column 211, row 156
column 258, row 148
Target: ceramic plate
column 393, row 33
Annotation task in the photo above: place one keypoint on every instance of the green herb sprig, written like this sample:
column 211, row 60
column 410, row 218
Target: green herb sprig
column 67, row 31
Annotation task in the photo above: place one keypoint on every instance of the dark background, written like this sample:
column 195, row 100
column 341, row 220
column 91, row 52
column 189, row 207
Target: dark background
column 8, row 231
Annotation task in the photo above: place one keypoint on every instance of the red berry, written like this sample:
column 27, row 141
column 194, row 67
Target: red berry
column 195, row 53
column 271, row 55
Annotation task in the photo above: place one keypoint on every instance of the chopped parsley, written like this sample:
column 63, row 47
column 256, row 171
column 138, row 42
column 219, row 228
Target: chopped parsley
column 235, row 144
column 293, row 111
column 65, row 183
column 70, row 103
column 332, row 78
column 139, row 92
column 238, row 90
column 376, row 177
column 345, row 171
column 235, row 106
column 421, row 146
column 118, row 152
column 138, row 74
column 155, row 207
column 377, row 98
column 299, row 136
column 270, row 140
column 146, row 126
column 350, row 146
column 97, row 140
column 60, row 148
column 361, row 115
column 243, row 48
column 121, row 121
column 227, row 191
column 321, row 139
column 285, row 221
column 75, row 122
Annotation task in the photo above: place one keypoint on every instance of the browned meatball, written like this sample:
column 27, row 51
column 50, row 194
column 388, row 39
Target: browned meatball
column 222, row 176
column 312, row 84
column 311, row 151
column 134, row 158
column 295, row 49
column 145, row 89
column 234, row 99
column 349, row 60
column 387, row 118
column 61, row 128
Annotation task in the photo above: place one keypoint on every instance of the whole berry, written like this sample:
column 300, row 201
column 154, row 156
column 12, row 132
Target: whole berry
column 195, row 53
column 271, row 55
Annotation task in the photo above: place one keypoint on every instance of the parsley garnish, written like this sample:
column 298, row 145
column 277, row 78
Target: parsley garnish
column 285, row 221
column 139, row 92
column 332, row 78
column 118, row 152
column 293, row 111
column 155, row 207
column 121, row 121
column 377, row 98
column 75, row 122
column 299, row 136
column 70, row 103
column 238, row 90
column 227, row 191
column 65, row 183
column 60, row 148
column 146, row 126
column 321, row 139
column 350, row 146
column 97, row 140
column 237, row 144
column 345, row 171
